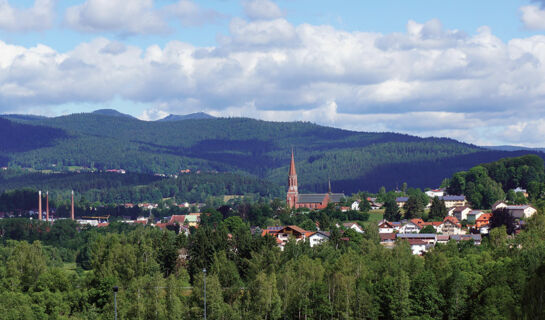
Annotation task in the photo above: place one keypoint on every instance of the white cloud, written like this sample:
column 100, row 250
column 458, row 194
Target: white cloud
column 123, row 16
column 261, row 9
column 471, row 87
column 128, row 17
column 37, row 18
column 533, row 17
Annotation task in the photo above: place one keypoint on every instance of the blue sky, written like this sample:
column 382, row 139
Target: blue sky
column 470, row 70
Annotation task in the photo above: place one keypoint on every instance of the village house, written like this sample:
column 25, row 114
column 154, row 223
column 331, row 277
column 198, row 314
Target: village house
column 412, row 226
column 454, row 201
column 435, row 192
column 520, row 190
column 385, row 227
column 460, row 212
column 418, row 247
column 318, row 238
column 517, row 211
column 473, row 215
column 450, row 225
column 401, row 201
column 429, row 238
column 355, row 205
column 476, row 238
column 387, row 239
column 354, row 226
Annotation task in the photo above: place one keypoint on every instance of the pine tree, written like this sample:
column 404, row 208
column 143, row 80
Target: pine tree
column 438, row 209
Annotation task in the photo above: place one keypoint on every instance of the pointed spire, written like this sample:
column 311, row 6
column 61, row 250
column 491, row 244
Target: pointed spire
column 329, row 185
column 292, row 165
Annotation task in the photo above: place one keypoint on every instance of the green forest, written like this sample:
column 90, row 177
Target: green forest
column 68, row 272
column 353, row 160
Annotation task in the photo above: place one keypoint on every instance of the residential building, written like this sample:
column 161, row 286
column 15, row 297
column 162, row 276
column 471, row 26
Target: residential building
column 454, row 201
column 354, row 226
column 385, row 227
column 450, row 225
column 473, row 215
column 435, row 192
column 460, row 212
column 401, row 201
column 318, row 238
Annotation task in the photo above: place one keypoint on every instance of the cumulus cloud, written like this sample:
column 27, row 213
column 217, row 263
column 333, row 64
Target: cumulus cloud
column 39, row 17
column 261, row 9
column 472, row 87
column 188, row 13
column 533, row 17
column 129, row 17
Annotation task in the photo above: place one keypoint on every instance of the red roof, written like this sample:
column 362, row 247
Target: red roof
column 161, row 225
column 419, row 222
column 453, row 220
column 141, row 221
column 177, row 219
column 292, row 165
column 414, row 242
column 104, row 224
column 387, row 236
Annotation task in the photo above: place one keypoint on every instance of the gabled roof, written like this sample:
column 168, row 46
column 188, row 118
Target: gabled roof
column 311, row 198
column 452, row 220
column 461, row 208
column 385, row 224
column 485, row 217
column 296, row 229
column 177, row 219
column 323, row 233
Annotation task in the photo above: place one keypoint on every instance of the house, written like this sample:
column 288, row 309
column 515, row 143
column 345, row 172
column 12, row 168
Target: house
column 450, row 225
column 385, row 227
column 460, row 212
column 429, row 238
column 387, row 239
column 193, row 219
column 498, row 205
column 454, row 201
column 435, row 192
column 418, row 247
column 521, row 211
column 473, row 215
column 401, row 201
column 344, row 209
column 374, row 204
column 318, row 238
column 354, row 226
column 179, row 219
column 355, row 205
column 476, row 238
column 442, row 238
column 411, row 227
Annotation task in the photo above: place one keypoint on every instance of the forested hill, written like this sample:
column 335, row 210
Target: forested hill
column 353, row 160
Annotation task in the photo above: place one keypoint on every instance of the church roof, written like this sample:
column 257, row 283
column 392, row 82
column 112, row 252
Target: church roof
column 319, row 197
column 292, row 165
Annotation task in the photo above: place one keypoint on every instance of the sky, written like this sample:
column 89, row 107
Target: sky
column 469, row 70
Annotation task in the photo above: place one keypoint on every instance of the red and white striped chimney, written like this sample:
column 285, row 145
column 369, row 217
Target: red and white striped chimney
column 40, row 205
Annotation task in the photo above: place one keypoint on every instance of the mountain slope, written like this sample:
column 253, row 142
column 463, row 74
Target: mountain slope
column 112, row 112
column 197, row 115
column 353, row 160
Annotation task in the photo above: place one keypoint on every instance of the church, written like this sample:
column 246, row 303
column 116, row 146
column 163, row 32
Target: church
column 311, row 200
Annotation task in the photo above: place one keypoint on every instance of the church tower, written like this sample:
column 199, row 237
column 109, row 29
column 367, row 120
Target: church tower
column 291, row 198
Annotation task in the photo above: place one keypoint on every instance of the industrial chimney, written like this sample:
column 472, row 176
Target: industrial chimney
column 40, row 205
column 72, row 205
column 47, row 206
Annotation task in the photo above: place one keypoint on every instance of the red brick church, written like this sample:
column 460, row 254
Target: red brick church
column 312, row 200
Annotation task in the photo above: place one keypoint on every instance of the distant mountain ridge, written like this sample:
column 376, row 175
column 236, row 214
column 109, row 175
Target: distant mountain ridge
column 354, row 160
column 513, row 148
column 191, row 116
column 112, row 112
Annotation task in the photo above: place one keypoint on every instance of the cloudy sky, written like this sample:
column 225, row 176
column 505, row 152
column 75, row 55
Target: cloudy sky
column 466, row 69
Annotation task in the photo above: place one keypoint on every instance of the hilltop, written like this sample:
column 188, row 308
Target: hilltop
column 354, row 160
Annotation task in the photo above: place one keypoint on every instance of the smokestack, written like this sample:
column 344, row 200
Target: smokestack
column 72, row 205
column 40, row 205
column 47, row 206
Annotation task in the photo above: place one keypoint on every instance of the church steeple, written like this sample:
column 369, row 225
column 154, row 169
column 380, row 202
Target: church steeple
column 293, row 193
column 329, row 185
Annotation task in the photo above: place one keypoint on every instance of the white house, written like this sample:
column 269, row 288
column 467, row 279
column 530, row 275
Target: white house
column 355, row 205
column 354, row 226
column 410, row 227
column 385, row 227
column 450, row 225
column 521, row 211
column 318, row 238
column 460, row 212
column 418, row 247
column 435, row 192
column 473, row 215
